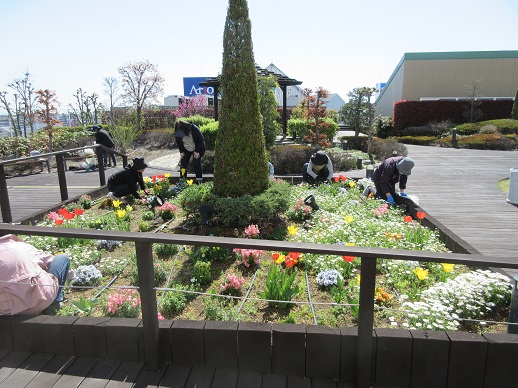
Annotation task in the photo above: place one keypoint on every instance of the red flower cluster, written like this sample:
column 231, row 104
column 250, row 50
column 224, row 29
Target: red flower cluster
column 339, row 178
column 65, row 214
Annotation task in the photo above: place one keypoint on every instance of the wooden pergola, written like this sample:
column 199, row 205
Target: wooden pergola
column 282, row 80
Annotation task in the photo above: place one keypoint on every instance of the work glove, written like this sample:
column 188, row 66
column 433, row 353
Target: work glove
column 403, row 194
column 390, row 200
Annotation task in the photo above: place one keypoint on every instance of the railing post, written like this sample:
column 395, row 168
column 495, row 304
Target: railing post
column 366, row 322
column 60, row 164
column 100, row 162
column 4, row 197
column 146, row 279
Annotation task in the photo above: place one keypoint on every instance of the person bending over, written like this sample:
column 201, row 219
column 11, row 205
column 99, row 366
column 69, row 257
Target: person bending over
column 392, row 171
column 127, row 181
column 318, row 170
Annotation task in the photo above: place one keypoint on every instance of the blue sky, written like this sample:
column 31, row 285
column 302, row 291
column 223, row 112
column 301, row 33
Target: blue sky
column 337, row 44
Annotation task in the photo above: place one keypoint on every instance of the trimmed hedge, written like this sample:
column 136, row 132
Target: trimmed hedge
column 416, row 113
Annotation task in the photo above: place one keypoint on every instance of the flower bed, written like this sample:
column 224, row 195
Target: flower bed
column 222, row 284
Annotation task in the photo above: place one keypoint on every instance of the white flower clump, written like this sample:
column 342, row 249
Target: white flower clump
column 328, row 277
column 470, row 295
column 87, row 275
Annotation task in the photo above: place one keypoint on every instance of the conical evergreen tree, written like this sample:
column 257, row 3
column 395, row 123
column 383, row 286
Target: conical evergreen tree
column 240, row 162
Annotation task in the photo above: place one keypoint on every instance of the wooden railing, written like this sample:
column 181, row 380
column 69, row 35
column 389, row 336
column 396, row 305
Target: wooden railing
column 60, row 156
column 144, row 243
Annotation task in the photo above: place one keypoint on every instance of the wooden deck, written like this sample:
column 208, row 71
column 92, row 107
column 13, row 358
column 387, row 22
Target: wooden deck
column 41, row 370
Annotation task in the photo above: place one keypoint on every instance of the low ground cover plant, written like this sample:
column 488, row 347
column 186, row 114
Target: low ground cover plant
column 223, row 283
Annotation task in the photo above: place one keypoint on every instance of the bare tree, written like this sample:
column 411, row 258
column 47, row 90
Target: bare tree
column 7, row 107
column 142, row 84
column 111, row 85
column 87, row 110
column 25, row 108
column 472, row 90
column 47, row 113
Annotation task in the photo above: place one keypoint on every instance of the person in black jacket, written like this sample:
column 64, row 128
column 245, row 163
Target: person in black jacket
column 127, row 181
column 103, row 138
column 190, row 142
column 388, row 174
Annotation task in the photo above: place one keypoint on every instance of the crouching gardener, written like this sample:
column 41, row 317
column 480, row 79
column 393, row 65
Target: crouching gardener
column 127, row 181
column 387, row 174
column 318, row 170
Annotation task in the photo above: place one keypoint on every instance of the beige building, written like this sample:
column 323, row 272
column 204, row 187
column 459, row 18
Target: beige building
column 444, row 75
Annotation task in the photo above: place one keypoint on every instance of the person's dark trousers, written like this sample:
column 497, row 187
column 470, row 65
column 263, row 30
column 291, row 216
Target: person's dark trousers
column 59, row 268
column 381, row 195
column 122, row 189
column 112, row 156
column 196, row 162
column 321, row 176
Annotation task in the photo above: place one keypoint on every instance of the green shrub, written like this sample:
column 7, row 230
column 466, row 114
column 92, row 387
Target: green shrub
column 148, row 215
column 504, row 126
column 173, row 302
column 207, row 253
column 240, row 211
column 201, row 272
column 210, row 134
column 418, row 140
column 297, row 126
column 166, row 249
column 143, row 226
column 483, row 142
column 489, row 129
column 197, row 120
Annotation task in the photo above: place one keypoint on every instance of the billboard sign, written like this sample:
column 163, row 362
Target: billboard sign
column 191, row 87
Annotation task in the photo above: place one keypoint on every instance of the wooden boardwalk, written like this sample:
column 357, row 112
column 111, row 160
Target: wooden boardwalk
column 41, row 370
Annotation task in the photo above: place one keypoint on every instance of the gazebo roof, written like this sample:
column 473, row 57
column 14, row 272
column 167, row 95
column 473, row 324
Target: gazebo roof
column 282, row 80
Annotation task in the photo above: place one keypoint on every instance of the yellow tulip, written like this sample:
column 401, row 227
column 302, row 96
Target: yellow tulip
column 292, row 230
column 280, row 259
column 116, row 203
column 129, row 208
column 358, row 278
column 349, row 244
column 422, row 274
column 146, row 179
column 349, row 219
column 121, row 213
column 190, row 182
column 447, row 267
column 352, row 183
column 167, row 175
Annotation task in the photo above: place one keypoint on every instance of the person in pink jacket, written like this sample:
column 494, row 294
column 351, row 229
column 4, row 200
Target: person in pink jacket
column 30, row 280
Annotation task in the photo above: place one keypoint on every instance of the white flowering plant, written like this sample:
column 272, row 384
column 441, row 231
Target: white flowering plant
column 87, row 275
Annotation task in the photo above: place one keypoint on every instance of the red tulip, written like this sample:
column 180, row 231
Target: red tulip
column 349, row 259
column 58, row 221
column 420, row 215
column 407, row 218
column 78, row 211
column 290, row 263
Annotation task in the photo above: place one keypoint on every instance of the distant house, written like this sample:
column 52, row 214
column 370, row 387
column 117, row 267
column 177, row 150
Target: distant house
column 443, row 75
column 334, row 101
column 294, row 94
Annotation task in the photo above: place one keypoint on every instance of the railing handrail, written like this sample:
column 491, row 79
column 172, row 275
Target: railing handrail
column 61, row 152
column 478, row 260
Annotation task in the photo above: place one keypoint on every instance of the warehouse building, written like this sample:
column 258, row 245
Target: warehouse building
column 445, row 75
